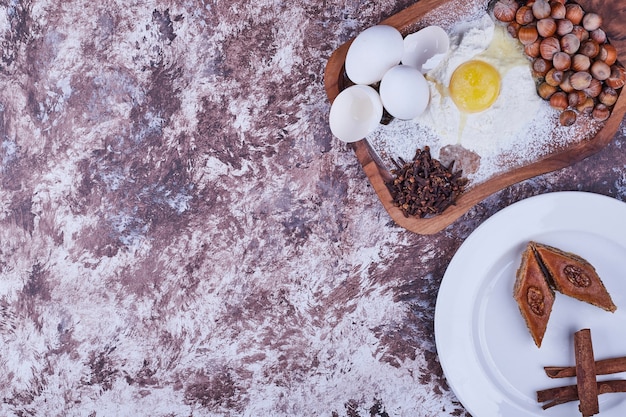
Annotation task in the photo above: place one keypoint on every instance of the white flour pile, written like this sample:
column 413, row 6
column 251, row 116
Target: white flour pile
column 519, row 128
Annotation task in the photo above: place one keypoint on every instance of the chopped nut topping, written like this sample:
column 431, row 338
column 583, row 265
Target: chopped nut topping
column 577, row 276
column 535, row 299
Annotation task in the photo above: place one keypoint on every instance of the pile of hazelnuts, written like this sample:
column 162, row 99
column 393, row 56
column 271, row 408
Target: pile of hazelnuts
column 575, row 65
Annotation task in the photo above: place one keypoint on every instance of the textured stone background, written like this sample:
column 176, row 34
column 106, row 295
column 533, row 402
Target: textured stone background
column 181, row 235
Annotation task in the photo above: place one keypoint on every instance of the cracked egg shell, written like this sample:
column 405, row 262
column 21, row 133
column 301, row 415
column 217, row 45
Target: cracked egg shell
column 425, row 48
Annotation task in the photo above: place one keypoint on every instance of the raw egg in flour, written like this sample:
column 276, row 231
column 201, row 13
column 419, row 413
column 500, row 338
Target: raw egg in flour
column 482, row 93
column 474, row 86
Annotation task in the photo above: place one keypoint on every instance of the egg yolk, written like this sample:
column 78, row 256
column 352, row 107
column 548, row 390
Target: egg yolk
column 474, row 86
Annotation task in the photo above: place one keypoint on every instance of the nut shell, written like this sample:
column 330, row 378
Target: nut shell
column 601, row 112
column 594, row 89
column 581, row 33
column 524, row 15
column 592, row 21
column 608, row 96
column 562, row 61
column 581, row 62
column 549, row 47
column 576, row 97
column 513, row 29
column 546, row 27
column 527, row 34
column 590, row 48
column 567, row 118
column 533, row 49
column 541, row 66
column 574, row 13
column 600, row 70
column 505, row 10
column 545, row 90
column 586, row 106
column 557, row 10
column 617, row 78
column 566, row 85
column 541, row 9
column 563, row 27
column 554, row 77
column 608, row 54
column 598, row 35
column 570, row 43
column 559, row 100
column 580, row 80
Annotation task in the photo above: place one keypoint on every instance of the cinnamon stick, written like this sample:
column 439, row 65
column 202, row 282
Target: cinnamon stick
column 603, row 367
column 562, row 395
column 586, row 373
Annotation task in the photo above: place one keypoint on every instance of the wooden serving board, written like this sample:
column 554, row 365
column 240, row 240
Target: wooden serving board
column 412, row 19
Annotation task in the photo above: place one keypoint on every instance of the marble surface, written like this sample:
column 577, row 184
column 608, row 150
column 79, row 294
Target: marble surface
column 181, row 235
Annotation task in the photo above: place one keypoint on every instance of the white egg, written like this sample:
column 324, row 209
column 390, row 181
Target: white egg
column 355, row 113
column 425, row 48
column 372, row 53
column 404, row 92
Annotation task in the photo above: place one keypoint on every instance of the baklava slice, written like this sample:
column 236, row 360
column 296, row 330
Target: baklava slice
column 533, row 294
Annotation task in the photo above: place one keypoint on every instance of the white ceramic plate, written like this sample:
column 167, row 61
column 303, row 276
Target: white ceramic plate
column 485, row 349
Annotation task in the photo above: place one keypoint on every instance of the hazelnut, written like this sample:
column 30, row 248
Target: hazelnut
column 590, row 48
column 608, row 96
column 527, row 34
column 567, row 118
column 513, row 29
column 574, row 13
column 580, row 32
column 541, row 66
column 580, row 80
column 546, row 27
column 559, row 101
column 581, row 62
column 504, row 10
column 566, row 85
column 524, row 15
column 561, row 61
column 617, row 78
column 600, row 70
column 563, row 27
column 576, row 97
column 545, row 90
column 570, row 43
column 541, row 9
column 598, row 35
column 608, row 54
column 533, row 50
column 601, row 112
column 592, row 21
column 594, row 89
column 557, row 10
column 554, row 77
column 549, row 47
column 586, row 106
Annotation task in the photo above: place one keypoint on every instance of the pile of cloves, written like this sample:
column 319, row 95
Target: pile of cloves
column 424, row 186
column 575, row 65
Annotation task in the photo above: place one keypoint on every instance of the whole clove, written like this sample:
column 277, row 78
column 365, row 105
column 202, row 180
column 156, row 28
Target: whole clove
column 425, row 187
